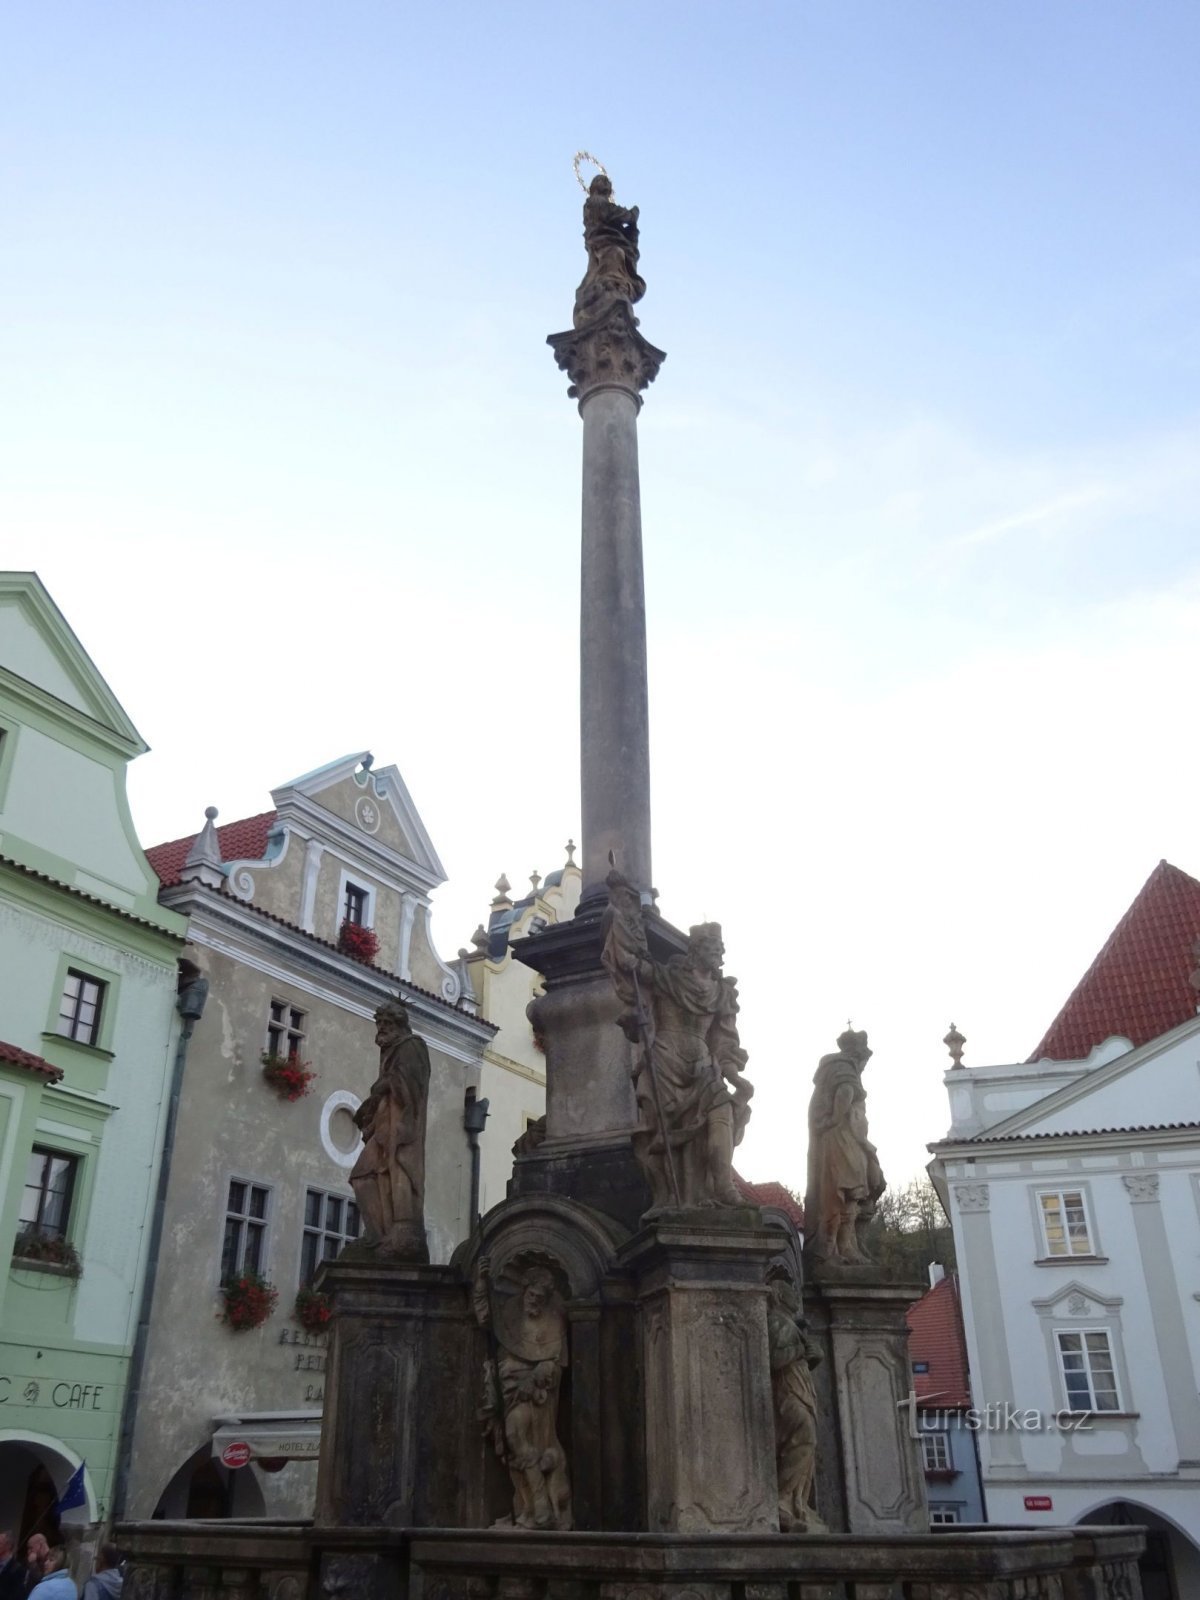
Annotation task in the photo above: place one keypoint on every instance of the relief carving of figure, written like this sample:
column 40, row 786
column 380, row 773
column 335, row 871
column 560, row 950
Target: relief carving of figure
column 693, row 1100
column 526, row 1324
column 793, row 1356
column 610, row 233
column 844, row 1177
column 389, row 1176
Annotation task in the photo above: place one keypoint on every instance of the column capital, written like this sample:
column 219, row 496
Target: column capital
column 607, row 353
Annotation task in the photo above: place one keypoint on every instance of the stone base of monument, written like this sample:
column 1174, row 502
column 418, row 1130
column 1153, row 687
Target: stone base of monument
column 709, row 1425
column 869, row 1469
column 399, row 1442
column 264, row 1561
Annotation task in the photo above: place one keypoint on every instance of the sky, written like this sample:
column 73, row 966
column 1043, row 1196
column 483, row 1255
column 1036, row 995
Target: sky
column 280, row 432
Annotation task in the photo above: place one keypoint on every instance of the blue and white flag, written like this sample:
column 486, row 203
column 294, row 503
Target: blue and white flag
column 74, row 1494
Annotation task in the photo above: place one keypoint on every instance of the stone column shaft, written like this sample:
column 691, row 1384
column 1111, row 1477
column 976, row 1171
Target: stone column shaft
column 614, row 712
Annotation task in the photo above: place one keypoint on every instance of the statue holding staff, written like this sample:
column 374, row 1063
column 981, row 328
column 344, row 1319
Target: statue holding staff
column 693, row 1099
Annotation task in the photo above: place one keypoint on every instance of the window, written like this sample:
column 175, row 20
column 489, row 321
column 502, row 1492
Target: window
column 354, row 904
column 935, row 1448
column 330, row 1222
column 79, row 1008
column 1088, row 1371
column 285, row 1031
column 49, row 1185
column 943, row 1514
column 1065, row 1223
column 244, row 1248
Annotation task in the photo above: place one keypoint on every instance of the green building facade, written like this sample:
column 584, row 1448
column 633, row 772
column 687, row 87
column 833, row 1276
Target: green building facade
column 88, row 1034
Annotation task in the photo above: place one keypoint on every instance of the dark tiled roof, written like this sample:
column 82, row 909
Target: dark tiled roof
column 92, row 899
column 12, row 1055
column 935, row 1337
column 771, row 1194
column 245, row 840
column 1137, row 987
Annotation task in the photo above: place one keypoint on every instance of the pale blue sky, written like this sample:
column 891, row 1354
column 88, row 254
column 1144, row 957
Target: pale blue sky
column 279, row 429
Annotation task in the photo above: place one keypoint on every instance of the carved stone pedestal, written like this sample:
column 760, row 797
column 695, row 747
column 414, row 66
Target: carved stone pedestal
column 399, row 1441
column 869, row 1474
column 587, row 1154
column 710, row 1430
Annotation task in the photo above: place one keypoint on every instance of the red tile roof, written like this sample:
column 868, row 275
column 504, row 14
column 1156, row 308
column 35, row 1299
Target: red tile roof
column 1138, row 985
column 239, row 841
column 13, row 1056
column 771, row 1194
column 935, row 1337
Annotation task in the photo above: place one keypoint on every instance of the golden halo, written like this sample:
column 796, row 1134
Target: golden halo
column 586, row 155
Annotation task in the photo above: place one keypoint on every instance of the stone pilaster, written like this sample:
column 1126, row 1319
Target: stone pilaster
column 709, row 1419
column 869, row 1473
column 401, row 1382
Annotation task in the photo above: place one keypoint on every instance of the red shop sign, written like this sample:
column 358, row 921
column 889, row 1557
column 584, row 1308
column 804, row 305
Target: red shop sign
column 1038, row 1502
column 235, row 1455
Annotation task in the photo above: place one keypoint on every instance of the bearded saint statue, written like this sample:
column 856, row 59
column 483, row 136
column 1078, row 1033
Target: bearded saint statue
column 527, row 1328
column 389, row 1176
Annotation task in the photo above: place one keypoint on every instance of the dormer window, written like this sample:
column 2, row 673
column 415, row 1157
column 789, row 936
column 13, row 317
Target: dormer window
column 354, row 905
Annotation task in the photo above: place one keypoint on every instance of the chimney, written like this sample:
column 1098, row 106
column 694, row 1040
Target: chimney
column 936, row 1273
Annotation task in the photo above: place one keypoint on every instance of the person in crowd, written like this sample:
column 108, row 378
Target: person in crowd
column 105, row 1582
column 12, row 1574
column 56, row 1583
column 37, row 1548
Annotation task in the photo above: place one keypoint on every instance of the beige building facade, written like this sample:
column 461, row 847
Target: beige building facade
column 228, row 1420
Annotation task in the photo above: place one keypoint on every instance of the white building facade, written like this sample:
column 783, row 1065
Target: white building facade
column 1073, row 1188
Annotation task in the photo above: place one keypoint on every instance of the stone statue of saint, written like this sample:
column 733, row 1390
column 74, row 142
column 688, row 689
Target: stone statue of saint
column 389, row 1176
column 793, row 1356
column 527, row 1329
column 693, row 1100
column 610, row 233
column 844, row 1176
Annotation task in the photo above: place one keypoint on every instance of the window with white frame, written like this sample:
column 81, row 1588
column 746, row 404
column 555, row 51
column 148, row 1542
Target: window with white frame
column 935, row 1449
column 943, row 1514
column 1064, row 1218
column 80, row 1006
column 330, row 1222
column 1089, row 1375
column 285, row 1031
column 244, row 1248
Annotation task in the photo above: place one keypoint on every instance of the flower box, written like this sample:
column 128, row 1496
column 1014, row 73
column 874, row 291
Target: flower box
column 248, row 1301
column 34, row 1248
column 290, row 1077
column 312, row 1310
column 357, row 942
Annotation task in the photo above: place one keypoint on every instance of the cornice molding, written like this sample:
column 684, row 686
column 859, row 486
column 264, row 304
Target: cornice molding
column 289, row 956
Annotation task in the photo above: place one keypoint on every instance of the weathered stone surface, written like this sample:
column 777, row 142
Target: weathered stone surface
column 710, row 1432
column 869, row 1477
column 521, row 1312
column 389, row 1176
column 455, row 1564
column 681, row 1017
column 399, row 1385
column 793, row 1357
column 844, row 1176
